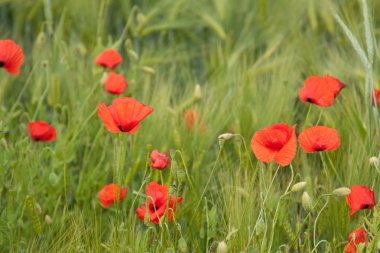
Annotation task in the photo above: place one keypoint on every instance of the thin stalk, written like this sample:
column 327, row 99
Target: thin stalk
column 278, row 205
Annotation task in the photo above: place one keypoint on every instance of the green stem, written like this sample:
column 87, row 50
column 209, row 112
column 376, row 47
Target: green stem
column 208, row 182
column 278, row 205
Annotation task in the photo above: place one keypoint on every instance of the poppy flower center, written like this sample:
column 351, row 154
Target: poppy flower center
column 320, row 148
column 277, row 140
column 2, row 64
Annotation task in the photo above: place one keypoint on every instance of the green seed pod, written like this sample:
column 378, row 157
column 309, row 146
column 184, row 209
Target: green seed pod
column 298, row 186
column 307, row 203
column 341, row 192
column 182, row 246
column 222, row 247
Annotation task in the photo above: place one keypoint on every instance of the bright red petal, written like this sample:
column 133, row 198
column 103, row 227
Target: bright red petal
column 107, row 119
column 286, row 155
column 41, row 131
column 11, row 56
column 115, row 84
column 261, row 152
column 128, row 112
column 133, row 130
column 319, row 91
column 109, row 59
column 319, row 138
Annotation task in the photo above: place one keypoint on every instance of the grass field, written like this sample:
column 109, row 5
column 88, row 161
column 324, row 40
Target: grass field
column 250, row 59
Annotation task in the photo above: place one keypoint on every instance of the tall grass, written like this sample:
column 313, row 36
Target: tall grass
column 250, row 59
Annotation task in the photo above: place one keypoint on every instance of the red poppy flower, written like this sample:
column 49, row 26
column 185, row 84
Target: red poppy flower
column 159, row 161
column 360, row 197
column 115, row 84
column 41, row 131
column 357, row 236
column 376, row 97
column 321, row 90
column 157, row 196
column 11, row 56
column 319, row 138
column 109, row 59
column 192, row 119
column 110, row 194
column 124, row 115
column 277, row 142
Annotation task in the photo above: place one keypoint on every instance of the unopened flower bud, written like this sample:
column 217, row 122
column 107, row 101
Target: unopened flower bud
column 374, row 161
column 149, row 70
column 222, row 247
column 225, row 136
column 141, row 18
column 48, row 219
column 197, row 92
column 298, row 186
column 341, row 192
column 38, row 209
column 182, row 245
column 104, row 78
column 307, row 203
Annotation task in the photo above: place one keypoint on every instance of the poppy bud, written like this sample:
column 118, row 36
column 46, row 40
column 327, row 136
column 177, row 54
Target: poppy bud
column 342, row 191
column 298, row 186
column 226, row 136
column 104, row 78
column 197, row 92
column 141, row 18
column 222, row 247
column 307, row 203
column 374, row 161
column 37, row 208
column 182, row 246
column 48, row 219
column 149, row 70
column 41, row 39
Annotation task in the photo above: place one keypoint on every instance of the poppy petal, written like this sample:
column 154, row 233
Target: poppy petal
column 135, row 110
column 286, row 155
column 41, row 131
column 320, row 90
column 11, row 56
column 261, row 152
column 319, row 138
column 133, row 130
column 107, row 119
column 115, row 84
column 109, row 59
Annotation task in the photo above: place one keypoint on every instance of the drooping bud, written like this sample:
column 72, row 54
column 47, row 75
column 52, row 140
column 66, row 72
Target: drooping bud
column 197, row 92
column 48, row 219
column 298, row 186
column 341, row 192
column 374, row 161
column 222, row 247
column 149, row 70
column 182, row 245
column 37, row 208
column 104, row 78
column 307, row 203
column 226, row 136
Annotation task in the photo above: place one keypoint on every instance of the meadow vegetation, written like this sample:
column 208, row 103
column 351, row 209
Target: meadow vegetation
column 250, row 59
